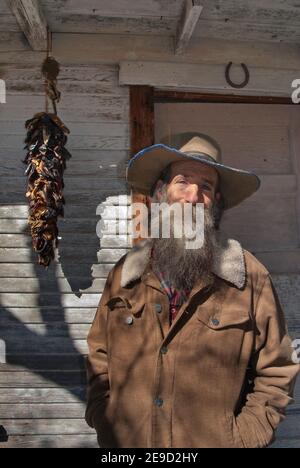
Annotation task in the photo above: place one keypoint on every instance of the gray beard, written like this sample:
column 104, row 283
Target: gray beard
column 183, row 267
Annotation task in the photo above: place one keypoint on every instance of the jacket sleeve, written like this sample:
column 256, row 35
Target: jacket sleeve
column 96, row 363
column 274, row 372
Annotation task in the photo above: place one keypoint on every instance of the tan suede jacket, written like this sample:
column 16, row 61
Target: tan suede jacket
column 220, row 376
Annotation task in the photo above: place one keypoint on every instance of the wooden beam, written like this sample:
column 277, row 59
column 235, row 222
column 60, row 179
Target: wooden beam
column 141, row 127
column 207, row 78
column 31, row 21
column 187, row 23
column 161, row 96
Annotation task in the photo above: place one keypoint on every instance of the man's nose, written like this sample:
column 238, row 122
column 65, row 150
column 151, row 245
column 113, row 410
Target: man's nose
column 194, row 194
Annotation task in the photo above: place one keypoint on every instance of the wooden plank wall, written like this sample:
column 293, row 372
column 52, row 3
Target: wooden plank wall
column 45, row 315
column 251, row 20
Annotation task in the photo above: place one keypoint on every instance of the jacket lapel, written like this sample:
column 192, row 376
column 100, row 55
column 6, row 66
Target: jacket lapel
column 229, row 262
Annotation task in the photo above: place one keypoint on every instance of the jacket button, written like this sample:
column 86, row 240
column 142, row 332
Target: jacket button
column 164, row 350
column 129, row 320
column 158, row 401
column 158, row 307
column 215, row 322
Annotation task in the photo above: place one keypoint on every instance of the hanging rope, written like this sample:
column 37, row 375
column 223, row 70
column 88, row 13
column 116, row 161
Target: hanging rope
column 50, row 71
column 49, row 48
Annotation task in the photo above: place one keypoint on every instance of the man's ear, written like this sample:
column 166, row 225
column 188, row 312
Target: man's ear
column 218, row 196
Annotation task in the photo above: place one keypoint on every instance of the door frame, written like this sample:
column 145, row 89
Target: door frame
column 143, row 98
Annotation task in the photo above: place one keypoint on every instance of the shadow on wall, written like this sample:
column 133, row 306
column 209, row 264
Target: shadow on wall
column 3, row 434
column 36, row 327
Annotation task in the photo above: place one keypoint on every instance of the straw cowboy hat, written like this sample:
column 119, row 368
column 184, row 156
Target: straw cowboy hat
column 144, row 169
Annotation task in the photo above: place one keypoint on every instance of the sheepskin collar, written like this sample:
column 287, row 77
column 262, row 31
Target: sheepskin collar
column 229, row 263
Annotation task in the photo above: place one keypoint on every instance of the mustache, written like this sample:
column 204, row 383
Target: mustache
column 181, row 218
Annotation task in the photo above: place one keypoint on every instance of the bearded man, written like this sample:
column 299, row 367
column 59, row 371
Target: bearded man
column 189, row 347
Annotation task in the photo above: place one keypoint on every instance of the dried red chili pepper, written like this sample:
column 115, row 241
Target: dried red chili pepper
column 46, row 161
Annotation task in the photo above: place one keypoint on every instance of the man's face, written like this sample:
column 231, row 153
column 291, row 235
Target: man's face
column 191, row 182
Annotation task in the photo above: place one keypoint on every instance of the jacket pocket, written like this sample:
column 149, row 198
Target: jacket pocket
column 234, row 318
column 127, row 326
column 224, row 338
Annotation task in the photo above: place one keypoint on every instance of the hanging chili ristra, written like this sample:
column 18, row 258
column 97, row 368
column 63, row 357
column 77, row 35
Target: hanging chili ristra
column 46, row 161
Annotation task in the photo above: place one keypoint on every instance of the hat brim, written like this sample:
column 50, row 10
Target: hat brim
column 145, row 167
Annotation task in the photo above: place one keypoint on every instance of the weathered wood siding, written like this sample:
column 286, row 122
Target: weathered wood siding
column 262, row 20
column 45, row 315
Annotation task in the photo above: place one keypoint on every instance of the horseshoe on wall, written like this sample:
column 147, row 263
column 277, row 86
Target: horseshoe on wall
column 237, row 85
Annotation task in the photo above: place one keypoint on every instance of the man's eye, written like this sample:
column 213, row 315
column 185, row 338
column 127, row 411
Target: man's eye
column 207, row 187
column 181, row 181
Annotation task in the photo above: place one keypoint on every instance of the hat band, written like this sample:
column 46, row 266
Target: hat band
column 203, row 155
